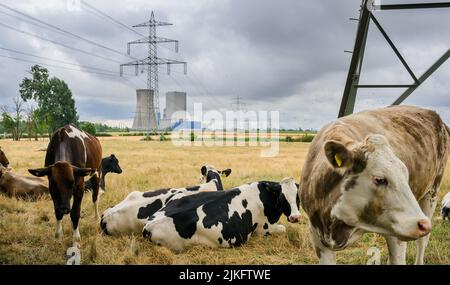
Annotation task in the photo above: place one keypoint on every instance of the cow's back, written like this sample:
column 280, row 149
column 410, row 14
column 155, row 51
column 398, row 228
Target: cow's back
column 75, row 147
column 417, row 136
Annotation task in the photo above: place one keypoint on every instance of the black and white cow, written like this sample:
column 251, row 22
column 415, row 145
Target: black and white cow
column 130, row 215
column 109, row 164
column 445, row 210
column 209, row 173
column 224, row 218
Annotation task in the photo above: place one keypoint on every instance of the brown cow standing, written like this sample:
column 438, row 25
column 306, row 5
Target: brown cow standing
column 3, row 160
column 71, row 156
column 375, row 171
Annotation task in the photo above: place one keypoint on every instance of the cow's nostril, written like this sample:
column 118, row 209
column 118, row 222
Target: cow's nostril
column 294, row 219
column 424, row 227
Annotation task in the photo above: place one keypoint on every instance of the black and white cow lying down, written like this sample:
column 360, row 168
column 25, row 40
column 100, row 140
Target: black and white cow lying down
column 224, row 218
column 130, row 215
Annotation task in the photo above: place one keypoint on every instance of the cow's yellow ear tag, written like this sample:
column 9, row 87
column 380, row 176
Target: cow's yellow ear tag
column 338, row 160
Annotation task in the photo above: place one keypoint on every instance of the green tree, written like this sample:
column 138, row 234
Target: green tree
column 88, row 127
column 56, row 106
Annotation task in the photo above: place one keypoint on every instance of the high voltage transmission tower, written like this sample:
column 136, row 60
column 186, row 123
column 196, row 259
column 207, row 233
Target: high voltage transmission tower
column 237, row 103
column 152, row 62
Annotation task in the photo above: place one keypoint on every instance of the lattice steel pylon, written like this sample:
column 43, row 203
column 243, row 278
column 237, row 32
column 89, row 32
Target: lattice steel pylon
column 153, row 61
column 368, row 7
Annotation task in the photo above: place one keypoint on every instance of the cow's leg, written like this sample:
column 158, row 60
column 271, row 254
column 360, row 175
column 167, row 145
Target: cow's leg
column 95, row 190
column 326, row 256
column 59, row 230
column 75, row 216
column 397, row 250
column 428, row 205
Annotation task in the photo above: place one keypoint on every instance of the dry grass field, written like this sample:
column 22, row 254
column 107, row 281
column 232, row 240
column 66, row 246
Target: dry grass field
column 27, row 228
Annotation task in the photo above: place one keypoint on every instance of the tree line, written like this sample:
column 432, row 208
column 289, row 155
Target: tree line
column 54, row 107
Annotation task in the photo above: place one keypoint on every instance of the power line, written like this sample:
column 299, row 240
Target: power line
column 57, row 66
column 57, row 43
column 103, row 14
column 129, row 82
column 67, row 33
column 59, row 61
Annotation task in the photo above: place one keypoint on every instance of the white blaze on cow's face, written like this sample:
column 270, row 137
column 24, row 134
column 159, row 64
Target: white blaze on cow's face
column 376, row 196
column 290, row 192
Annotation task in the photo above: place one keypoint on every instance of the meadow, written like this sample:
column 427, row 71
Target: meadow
column 27, row 228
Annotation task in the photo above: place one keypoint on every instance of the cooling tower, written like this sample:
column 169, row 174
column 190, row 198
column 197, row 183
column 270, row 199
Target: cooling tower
column 175, row 101
column 144, row 117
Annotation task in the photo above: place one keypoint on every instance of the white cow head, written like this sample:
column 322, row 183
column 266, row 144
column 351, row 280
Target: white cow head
column 290, row 200
column 376, row 196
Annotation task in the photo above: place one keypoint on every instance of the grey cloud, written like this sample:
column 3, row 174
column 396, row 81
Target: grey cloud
column 279, row 55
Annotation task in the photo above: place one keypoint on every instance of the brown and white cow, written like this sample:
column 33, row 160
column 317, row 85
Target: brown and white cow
column 15, row 185
column 3, row 160
column 71, row 156
column 375, row 171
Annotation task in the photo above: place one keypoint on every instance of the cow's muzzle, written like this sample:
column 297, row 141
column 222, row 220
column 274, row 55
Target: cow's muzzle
column 446, row 213
column 146, row 234
column 104, row 226
column 294, row 218
column 423, row 227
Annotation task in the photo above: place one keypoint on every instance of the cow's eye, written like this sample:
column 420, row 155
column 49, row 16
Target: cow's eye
column 380, row 181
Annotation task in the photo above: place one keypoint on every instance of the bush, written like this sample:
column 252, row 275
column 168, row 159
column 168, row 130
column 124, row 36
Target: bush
column 147, row 138
column 163, row 138
column 304, row 138
column 307, row 138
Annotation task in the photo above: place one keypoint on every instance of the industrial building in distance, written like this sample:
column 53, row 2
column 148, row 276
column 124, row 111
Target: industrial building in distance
column 174, row 116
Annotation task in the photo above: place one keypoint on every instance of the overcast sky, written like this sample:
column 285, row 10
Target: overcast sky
column 283, row 55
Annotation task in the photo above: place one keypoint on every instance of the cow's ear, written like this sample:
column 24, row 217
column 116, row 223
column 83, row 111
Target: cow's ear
column 112, row 156
column 203, row 170
column 337, row 154
column 81, row 172
column 225, row 172
column 39, row 172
